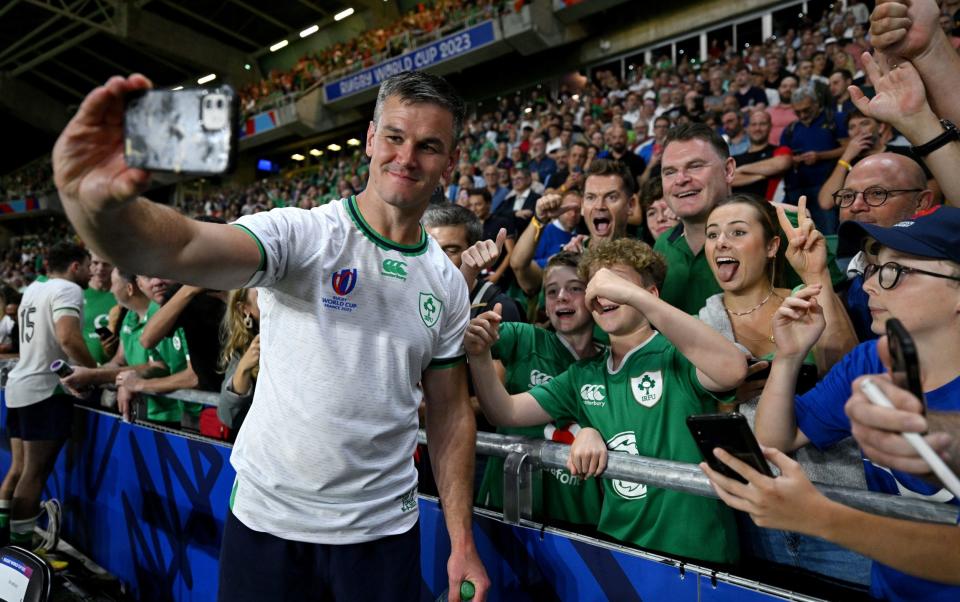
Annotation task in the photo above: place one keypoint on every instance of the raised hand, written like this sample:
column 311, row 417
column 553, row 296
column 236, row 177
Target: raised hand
column 550, row 206
column 483, row 254
column 905, row 28
column 88, row 163
column 576, row 243
column 807, row 248
column 483, row 332
column 900, row 94
column 798, row 323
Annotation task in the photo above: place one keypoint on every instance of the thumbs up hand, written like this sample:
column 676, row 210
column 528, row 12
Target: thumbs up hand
column 483, row 332
column 485, row 253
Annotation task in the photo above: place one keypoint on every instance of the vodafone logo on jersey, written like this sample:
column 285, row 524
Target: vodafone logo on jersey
column 593, row 395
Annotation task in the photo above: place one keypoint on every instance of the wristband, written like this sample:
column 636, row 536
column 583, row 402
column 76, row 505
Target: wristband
column 844, row 164
column 536, row 223
column 949, row 134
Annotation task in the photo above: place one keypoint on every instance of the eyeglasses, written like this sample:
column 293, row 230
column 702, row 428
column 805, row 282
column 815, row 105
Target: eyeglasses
column 873, row 196
column 888, row 274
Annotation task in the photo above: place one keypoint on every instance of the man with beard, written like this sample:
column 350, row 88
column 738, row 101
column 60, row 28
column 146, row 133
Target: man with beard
column 617, row 150
column 782, row 115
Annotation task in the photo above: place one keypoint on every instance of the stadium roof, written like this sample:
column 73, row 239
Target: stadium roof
column 52, row 52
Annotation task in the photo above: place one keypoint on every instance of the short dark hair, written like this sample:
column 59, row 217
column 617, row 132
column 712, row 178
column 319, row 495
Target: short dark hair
column 561, row 259
column 419, row 87
column 855, row 113
column 62, row 254
column 698, row 131
column 480, row 192
column 844, row 73
column 611, row 167
column 437, row 216
column 128, row 277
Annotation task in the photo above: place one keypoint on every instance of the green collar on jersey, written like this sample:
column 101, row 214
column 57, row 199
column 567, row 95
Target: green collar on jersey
column 384, row 243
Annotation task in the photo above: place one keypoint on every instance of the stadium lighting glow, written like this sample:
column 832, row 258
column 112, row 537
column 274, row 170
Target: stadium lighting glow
column 309, row 31
column 297, row 157
column 246, row 66
column 207, row 78
column 528, row 110
column 576, row 98
column 334, row 147
column 340, row 16
column 279, row 45
column 353, row 142
column 316, row 152
column 178, row 88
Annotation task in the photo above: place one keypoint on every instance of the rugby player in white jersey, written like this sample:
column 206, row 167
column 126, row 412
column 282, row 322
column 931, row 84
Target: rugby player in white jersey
column 358, row 306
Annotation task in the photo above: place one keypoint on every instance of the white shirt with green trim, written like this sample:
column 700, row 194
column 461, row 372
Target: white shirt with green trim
column 349, row 323
column 42, row 305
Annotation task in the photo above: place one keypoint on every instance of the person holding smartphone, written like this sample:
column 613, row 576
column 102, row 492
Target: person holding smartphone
column 915, row 277
column 324, row 461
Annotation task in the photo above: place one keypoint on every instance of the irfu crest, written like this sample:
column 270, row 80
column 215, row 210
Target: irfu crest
column 430, row 308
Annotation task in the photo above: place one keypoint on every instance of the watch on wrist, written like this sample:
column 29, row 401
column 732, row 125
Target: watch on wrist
column 950, row 133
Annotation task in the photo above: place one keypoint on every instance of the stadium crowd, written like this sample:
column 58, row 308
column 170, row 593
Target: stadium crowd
column 732, row 233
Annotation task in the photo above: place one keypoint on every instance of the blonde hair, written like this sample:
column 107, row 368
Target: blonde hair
column 234, row 335
column 638, row 255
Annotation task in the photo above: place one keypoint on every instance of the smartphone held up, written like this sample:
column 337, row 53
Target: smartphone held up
column 191, row 132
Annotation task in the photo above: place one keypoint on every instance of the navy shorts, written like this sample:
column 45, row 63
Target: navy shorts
column 257, row 566
column 47, row 420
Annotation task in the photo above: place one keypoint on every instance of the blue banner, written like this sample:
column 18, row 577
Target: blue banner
column 454, row 45
column 149, row 506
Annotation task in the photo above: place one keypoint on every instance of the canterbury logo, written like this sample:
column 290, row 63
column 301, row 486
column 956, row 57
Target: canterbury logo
column 395, row 268
column 538, row 378
column 593, row 393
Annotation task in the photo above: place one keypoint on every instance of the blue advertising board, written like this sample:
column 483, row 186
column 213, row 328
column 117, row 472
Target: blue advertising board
column 444, row 49
column 149, row 506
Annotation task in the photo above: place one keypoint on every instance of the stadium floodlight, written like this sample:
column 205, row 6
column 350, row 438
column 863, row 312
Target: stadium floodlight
column 340, row 16
column 528, row 110
column 309, row 31
column 334, row 147
column 279, row 45
column 297, row 157
column 177, row 88
column 207, row 78
column 353, row 142
column 576, row 98
column 246, row 66
column 316, row 152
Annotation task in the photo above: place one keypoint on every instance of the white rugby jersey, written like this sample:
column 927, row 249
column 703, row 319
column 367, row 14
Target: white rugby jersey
column 349, row 323
column 42, row 305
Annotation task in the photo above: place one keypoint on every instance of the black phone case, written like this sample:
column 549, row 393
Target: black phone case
column 906, row 362
column 163, row 131
column 731, row 433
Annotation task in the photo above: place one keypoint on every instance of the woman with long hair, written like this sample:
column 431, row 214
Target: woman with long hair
column 239, row 356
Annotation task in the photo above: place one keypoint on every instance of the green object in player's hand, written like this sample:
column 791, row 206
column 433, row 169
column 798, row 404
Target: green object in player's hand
column 467, row 591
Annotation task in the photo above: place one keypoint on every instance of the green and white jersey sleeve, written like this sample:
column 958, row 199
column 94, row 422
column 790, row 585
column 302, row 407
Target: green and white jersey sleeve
column 42, row 305
column 349, row 323
column 641, row 408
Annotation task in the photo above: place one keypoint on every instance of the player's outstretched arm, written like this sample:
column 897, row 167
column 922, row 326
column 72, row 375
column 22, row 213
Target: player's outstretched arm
column 100, row 195
column 720, row 365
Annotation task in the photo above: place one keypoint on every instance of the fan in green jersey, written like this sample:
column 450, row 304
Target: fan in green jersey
column 662, row 366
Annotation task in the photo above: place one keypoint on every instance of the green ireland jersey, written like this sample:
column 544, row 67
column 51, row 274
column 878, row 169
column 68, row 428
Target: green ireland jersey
column 96, row 309
column 172, row 350
column 158, row 408
column 532, row 356
column 641, row 408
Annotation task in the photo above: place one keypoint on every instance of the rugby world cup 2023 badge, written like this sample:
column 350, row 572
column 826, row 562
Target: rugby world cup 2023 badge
column 343, row 282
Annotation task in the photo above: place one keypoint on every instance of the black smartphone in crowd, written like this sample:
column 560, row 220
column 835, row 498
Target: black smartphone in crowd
column 731, row 433
column 192, row 131
column 905, row 371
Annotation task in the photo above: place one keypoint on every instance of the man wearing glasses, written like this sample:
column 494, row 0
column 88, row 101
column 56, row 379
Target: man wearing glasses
column 882, row 189
column 913, row 275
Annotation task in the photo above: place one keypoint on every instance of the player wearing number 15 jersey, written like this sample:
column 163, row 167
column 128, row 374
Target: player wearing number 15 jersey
column 38, row 412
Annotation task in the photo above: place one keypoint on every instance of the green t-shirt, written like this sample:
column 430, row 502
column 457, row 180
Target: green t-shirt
column 642, row 409
column 172, row 350
column 531, row 356
column 690, row 281
column 159, row 409
column 96, row 309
